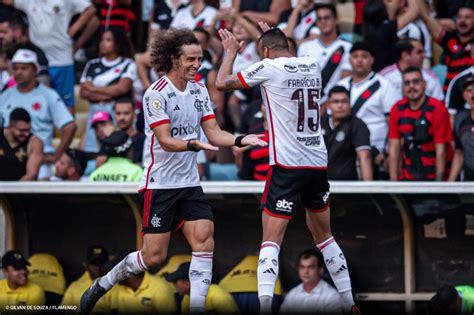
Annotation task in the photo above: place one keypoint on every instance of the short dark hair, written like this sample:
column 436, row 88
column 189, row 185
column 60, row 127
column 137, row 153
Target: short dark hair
column 292, row 42
column 78, row 160
column 404, row 45
column 202, row 30
column 17, row 21
column 339, row 89
column 329, row 6
column 362, row 46
column 412, row 69
column 168, row 45
column 443, row 299
column 125, row 99
column 312, row 252
column 274, row 39
column 467, row 4
column 20, row 114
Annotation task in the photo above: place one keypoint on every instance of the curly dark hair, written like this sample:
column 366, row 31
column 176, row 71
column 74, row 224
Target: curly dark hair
column 167, row 45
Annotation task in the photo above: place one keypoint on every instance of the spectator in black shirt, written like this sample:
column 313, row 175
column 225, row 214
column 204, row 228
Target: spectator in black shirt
column 381, row 26
column 464, row 136
column 347, row 139
column 21, row 152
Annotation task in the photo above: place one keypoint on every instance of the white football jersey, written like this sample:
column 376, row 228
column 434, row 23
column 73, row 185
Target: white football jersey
column 333, row 59
column 246, row 58
column 394, row 75
column 371, row 101
column 184, row 18
column 418, row 30
column 306, row 26
column 185, row 110
column 291, row 89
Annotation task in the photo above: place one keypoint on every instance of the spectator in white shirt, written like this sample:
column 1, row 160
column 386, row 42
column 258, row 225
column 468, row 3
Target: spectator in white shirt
column 313, row 295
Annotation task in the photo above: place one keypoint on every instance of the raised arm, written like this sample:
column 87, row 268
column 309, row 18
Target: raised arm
column 225, row 79
column 433, row 25
column 35, row 157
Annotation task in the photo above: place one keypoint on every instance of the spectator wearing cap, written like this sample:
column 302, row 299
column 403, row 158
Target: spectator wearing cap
column 47, row 272
column 70, row 166
column 21, row 152
column 16, row 289
column 107, row 78
column 218, row 301
column 143, row 293
column 372, row 96
column 347, row 139
column 46, row 108
column 102, row 125
column 119, row 167
column 125, row 117
column 452, row 300
column 464, row 136
column 96, row 258
column 50, row 28
column 14, row 36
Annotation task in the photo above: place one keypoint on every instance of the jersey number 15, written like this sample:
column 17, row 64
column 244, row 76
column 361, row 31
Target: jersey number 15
column 310, row 103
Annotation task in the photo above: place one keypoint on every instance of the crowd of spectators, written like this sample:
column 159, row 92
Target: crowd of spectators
column 396, row 104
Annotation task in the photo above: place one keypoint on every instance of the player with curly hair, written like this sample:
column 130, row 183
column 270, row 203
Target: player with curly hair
column 176, row 108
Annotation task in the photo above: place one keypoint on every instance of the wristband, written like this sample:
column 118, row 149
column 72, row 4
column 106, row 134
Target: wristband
column 238, row 141
column 191, row 147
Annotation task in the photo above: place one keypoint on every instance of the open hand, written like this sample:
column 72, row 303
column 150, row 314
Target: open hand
column 264, row 26
column 203, row 146
column 230, row 43
column 254, row 140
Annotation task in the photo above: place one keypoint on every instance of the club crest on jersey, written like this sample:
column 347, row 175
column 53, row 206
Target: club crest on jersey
column 290, row 68
column 156, row 104
column 198, row 104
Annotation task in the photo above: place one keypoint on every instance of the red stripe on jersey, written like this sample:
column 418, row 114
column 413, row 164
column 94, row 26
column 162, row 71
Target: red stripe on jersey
column 267, row 186
column 271, row 123
column 259, row 177
column 207, row 117
column 451, row 75
column 262, row 168
column 259, row 153
column 280, row 216
column 157, row 83
column 242, row 80
column 162, row 87
column 152, row 142
column 159, row 123
column 462, row 62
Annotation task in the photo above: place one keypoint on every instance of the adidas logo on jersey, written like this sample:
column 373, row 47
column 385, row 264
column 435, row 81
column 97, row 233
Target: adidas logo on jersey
column 270, row 271
column 341, row 269
column 283, row 205
column 176, row 108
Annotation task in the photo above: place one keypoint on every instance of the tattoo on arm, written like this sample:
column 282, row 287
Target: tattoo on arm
column 233, row 84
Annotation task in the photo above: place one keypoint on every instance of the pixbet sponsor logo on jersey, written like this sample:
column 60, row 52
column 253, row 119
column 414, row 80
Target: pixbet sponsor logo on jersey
column 283, row 205
column 184, row 130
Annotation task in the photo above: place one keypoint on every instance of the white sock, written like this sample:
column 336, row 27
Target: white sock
column 267, row 274
column 337, row 266
column 132, row 264
column 200, row 276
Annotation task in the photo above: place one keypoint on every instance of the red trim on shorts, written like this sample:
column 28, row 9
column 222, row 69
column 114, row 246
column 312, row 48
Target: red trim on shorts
column 267, row 186
column 141, row 190
column 242, row 80
column 326, row 243
column 272, row 133
column 208, row 117
column 146, row 207
column 280, row 216
column 159, row 123
column 180, row 225
column 318, row 210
